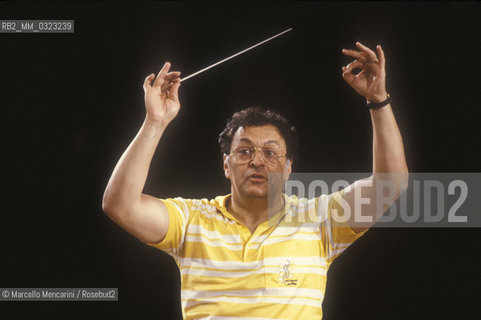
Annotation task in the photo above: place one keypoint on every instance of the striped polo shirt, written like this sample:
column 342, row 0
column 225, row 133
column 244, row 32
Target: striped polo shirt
column 277, row 272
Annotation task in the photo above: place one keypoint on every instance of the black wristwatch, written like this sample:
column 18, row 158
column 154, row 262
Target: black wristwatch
column 378, row 105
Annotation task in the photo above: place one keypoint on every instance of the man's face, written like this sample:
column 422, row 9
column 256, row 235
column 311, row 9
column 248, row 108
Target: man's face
column 249, row 178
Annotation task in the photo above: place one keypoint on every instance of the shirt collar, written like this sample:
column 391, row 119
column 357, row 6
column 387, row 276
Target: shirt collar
column 221, row 205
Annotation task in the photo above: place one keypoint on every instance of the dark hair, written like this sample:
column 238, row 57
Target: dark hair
column 256, row 117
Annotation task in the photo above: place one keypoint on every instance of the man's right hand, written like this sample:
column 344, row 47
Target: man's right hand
column 161, row 97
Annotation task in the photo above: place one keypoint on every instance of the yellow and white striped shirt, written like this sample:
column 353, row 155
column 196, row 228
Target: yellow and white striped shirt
column 277, row 272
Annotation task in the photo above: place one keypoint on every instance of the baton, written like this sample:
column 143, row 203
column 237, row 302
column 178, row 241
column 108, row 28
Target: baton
column 228, row 58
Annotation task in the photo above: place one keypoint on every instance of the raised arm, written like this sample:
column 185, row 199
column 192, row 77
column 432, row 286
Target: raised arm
column 143, row 216
column 389, row 162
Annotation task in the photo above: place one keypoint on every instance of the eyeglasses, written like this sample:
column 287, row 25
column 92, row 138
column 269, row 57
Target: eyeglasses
column 244, row 154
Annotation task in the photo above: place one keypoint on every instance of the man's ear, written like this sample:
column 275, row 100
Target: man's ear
column 289, row 166
column 288, row 169
column 225, row 158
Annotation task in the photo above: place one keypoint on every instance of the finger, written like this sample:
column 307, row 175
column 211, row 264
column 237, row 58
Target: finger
column 173, row 74
column 355, row 54
column 162, row 73
column 356, row 64
column 174, row 90
column 380, row 54
column 371, row 55
column 169, row 81
column 348, row 76
column 148, row 81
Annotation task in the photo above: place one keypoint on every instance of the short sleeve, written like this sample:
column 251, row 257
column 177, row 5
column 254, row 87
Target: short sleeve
column 336, row 233
column 178, row 217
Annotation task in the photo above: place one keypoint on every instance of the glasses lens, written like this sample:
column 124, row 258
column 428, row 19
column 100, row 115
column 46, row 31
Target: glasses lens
column 243, row 154
column 270, row 155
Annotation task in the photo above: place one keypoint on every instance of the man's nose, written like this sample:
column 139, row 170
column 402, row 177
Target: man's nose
column 257, row 159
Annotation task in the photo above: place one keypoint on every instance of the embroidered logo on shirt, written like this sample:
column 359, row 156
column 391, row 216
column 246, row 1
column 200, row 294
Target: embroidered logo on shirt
column 285, row 274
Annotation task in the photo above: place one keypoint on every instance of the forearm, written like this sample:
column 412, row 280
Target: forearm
column 389, row 166
column 124, row 189
column 388, row 149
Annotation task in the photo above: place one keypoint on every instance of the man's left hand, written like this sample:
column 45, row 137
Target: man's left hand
column 370, row 82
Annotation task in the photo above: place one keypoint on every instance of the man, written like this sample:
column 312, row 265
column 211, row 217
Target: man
column 244, row 255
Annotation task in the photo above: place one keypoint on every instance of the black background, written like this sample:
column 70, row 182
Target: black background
column 71, row 104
